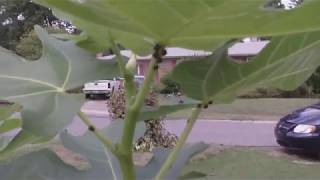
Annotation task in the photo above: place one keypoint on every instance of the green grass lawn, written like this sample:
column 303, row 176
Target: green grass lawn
column 252, row 163
column 248, row 109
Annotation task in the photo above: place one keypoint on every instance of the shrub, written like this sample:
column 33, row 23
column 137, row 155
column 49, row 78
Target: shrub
column 169, row 86
column 303, row 91
column 262, row 93
column 314, row 82
column 30, row 46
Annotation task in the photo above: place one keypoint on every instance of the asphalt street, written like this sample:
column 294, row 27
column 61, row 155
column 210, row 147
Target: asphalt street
column 226, row 132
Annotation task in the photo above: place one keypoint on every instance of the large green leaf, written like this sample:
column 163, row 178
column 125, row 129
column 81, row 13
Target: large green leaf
column 42, row 86
column 97, row 35
column 23, row 143
column 4, row 141
column 160, row 155
column 155, row 112
column 41, row 165
column 197, row 24
column 285, row 63
column 102, row 165
column 46, row 165
column 10, row 124
column 7, row 110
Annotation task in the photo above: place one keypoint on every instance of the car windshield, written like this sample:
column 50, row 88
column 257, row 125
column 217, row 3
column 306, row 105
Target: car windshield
column 310, row 111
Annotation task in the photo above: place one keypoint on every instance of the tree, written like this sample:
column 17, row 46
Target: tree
column 18, row 17
column 285, row 4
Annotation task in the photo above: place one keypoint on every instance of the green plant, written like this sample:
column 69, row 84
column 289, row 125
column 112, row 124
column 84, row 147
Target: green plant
column 303, row 91
column 145, row 27
column 30, row 46
column 314, row 82
column 170, row 86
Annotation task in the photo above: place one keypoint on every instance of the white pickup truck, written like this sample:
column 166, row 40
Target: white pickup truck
column 104, row 88
column 100, row 88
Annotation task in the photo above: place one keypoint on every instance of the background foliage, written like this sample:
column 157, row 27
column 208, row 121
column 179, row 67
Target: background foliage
column 11, row 28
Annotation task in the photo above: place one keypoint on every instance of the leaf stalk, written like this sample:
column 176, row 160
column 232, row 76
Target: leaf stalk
column 129, row 85
column 102, row 138
column 182, row 139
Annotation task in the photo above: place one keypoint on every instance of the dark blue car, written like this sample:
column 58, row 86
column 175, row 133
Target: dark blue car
column 300, row 129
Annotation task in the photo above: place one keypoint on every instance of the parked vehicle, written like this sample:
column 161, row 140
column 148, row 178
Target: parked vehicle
column 100, row 88
column 300, row 129
column 104, row 88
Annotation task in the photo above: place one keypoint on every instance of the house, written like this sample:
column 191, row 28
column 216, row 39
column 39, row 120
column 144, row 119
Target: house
column 241, row 51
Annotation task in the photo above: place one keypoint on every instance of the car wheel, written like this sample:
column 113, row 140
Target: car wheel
column 88, row 96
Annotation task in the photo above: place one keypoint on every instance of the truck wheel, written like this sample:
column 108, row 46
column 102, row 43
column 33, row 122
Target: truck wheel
column 93, row 96
column 104, row 96
column 87, row 96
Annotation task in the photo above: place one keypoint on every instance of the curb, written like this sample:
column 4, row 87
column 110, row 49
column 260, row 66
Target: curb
column 235, row 121
column 96, row 113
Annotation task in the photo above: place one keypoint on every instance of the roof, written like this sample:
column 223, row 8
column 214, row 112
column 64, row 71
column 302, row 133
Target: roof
column 238, row 49
column 247, row 48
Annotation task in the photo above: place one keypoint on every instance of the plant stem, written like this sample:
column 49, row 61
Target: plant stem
column 182, row 139
column 105, row 141
column 130, row 87
column 132, row 114
column 143, row 91
column 127, row 167
column 134, row 110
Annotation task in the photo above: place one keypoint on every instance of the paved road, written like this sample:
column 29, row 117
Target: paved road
column 239, row 133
